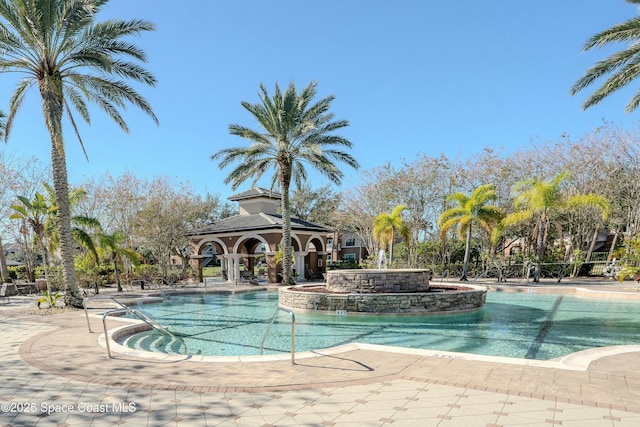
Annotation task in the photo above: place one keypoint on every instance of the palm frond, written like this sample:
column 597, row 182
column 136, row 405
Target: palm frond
column 624, row 65
column 15, row 103
column 3, row 123
column 591, row 200
column 518, row 217
column 85, row 239
column 627, row 31
column 460, row 198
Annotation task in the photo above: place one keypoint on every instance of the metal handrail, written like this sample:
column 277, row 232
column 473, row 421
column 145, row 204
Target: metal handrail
column 146, row 319
column 169, row 284
column 293, row 332
column 86, row 312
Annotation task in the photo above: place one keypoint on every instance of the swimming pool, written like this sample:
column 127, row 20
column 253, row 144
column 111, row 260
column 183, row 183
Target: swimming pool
column 520, row 325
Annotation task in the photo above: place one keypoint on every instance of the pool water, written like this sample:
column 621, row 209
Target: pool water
column 520, row 325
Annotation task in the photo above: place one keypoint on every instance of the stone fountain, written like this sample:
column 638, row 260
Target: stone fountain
column 389, row 291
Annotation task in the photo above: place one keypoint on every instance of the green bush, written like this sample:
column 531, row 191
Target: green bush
column 17, row 272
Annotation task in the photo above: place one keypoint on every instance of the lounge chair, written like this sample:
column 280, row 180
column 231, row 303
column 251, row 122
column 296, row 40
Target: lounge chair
column 312, row 275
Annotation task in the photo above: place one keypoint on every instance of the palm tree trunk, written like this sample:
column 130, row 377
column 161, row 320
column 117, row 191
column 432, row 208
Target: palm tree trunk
column 393, row 237
column 592, row 245
column 539, row 248
column 467, row 255
column 63, row 222
column 45, row 268
column 117, row 273
column 52, row 103
column 613, row 244
column 285, row 180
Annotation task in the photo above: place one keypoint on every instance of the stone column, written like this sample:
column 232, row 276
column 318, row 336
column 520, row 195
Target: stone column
column 196, row 266
column 272, row 270
column 299, row 266
column 227, row 265
column 234, row 268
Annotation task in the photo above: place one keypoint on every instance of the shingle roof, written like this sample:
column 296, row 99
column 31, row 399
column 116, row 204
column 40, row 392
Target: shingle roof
column 255, row 192
column 261, row 221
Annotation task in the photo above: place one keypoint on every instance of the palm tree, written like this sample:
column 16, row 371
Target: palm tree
column 294, row 132
column 469, row 210
column 537, row 200
column 79, row 223
column 623, row 65
column 111, row 243
column 386, row 225
column 59, row 48
column 35, row 212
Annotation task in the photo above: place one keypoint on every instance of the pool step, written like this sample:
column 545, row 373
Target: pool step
column 156, row 342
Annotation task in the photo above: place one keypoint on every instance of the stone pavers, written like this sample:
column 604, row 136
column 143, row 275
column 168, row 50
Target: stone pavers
column 52, row 363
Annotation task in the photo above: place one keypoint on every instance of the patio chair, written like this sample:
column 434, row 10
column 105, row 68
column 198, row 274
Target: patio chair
column 4, row 294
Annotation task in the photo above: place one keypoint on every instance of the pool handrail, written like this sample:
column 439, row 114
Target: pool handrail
column 293, row 332
column 95, row 297
column 143, row 317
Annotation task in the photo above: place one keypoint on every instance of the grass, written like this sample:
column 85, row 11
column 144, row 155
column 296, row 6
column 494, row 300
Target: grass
column 211, row 271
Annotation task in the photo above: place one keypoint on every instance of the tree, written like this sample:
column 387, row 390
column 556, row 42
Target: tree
column 79, row 223
column 385, row 227
column 422, row 186
column 294, row 132
column 116, row 201
column 23, row 176
column 536, row 200
column 623, row 65
column 73, row 61
column 315, row 205
column 112, row 245
column 469, row 210
column 35, row 213
column 167, row 213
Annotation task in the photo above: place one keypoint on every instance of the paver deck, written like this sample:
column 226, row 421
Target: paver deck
column 54, row 372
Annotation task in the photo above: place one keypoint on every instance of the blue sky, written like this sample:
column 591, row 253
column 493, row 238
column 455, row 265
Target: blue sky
column 412, row 77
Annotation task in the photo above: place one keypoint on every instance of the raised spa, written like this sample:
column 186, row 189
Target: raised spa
column 405, row 291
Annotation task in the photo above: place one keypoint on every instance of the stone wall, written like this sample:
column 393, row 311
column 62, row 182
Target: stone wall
column 378, row 281
column 407, row 303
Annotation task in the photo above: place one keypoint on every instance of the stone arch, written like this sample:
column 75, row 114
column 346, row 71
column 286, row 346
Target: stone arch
column 315, row 258
column 206, row 241
column 197, row 257
column 312, row 239
column 295, row 242
column 243, row 255
column 242, row 239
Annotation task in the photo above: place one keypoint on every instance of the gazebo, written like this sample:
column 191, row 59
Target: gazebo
column 255, row 234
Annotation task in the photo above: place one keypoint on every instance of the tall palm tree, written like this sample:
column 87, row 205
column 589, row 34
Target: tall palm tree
column 536, row 200
column 385, row 227
column 470, row 210
column 112, row 245
column 622, row 66
column 293, row 132
column 72, row 60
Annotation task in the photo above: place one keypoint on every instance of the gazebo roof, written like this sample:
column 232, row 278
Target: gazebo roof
column 253, row 193
column 257, row 222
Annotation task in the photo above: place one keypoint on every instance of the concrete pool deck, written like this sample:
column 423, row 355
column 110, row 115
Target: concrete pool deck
column 54, row 372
